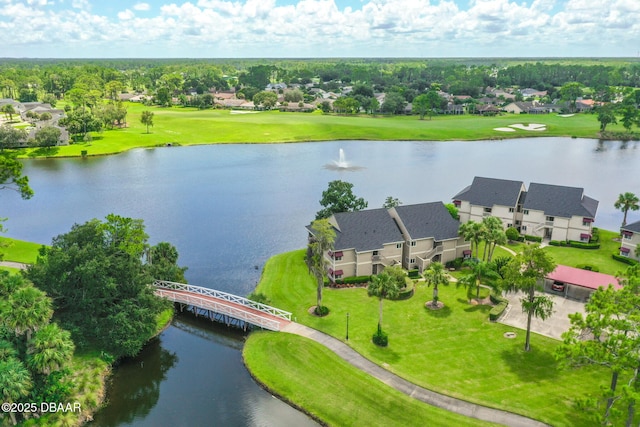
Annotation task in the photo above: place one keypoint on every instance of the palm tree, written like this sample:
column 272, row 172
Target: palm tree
column 435, row 276
column 321, row 242
column 50, row 349
column 7, row 350
column 27, row 310
column 481, row 272
column 494, row 235
column 383, row 286
column 15, row 382
column 473, row 232
column 627, row 202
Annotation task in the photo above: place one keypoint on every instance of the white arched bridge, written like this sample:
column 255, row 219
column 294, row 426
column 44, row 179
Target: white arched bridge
column 224, row 304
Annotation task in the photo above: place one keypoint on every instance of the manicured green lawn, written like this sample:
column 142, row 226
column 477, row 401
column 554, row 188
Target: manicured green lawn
column 456, row 350
column 598, row 257
column 312, row 377
column 188, row 126
column 19, row 250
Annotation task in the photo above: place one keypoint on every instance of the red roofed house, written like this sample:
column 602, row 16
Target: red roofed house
column 576, row 283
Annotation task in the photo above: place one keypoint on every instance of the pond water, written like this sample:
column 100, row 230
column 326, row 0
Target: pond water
column 228, row 208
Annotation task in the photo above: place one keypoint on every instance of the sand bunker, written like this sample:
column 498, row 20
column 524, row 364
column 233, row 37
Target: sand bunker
column 530, row 126
column 504, row 129
column 242, row 112
column 566, row 115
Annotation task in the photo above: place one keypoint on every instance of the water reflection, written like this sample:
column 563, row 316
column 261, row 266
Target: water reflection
column 135, row 386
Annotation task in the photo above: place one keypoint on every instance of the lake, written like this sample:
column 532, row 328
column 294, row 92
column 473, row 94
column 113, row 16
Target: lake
column 228, row 208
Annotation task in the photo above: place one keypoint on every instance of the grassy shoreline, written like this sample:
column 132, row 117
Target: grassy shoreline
column 179, row 126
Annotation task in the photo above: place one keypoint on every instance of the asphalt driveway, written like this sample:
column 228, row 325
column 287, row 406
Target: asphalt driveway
column 553, row 327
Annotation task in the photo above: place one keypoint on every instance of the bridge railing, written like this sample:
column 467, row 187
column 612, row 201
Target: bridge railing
column 164, row 284
column 220, row 307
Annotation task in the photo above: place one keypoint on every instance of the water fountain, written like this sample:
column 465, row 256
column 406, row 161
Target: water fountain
column 341, row 164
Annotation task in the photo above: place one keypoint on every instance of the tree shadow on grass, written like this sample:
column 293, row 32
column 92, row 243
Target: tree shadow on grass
column 439, row 313
column 530, row 366
column 44, row 152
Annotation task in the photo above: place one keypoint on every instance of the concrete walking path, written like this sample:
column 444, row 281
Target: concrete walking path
column 12, row 264
column 452, row 404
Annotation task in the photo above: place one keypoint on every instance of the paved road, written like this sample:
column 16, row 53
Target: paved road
column 432, row 398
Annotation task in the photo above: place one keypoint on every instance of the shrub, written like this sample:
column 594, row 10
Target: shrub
column 532, row 238
column 413, row 274
column 588, row 267
column 258, row 297
column 595, row 235
column 558, row 243
column 456, row 263
column 380, row 338
column 501, row 304
column 512, row 234
column 406, row 292
column 321, row 310
column 624, row 259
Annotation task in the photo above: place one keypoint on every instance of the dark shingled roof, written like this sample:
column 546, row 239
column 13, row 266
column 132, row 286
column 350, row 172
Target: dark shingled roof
column 634, row 226
column 557, row 200
column 490, row 191
column 366, row 230
column 428, row 220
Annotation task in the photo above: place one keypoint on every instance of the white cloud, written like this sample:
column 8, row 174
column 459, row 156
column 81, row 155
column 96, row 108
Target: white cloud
column 142, row 7
column 126, row 15
column 319, row 28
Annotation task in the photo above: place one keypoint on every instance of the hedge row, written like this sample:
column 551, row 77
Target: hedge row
column 353, row 280
column 575, row 244
column 501, row 304
column 532, row 238
column 413, row 274
column 588, row 267
column 624, row 259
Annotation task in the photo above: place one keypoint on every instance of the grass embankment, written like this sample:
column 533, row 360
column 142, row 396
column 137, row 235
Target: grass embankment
column 18, row 251
column 600, row 258
column 331, row 390
column 189, row 126
column 455, row 351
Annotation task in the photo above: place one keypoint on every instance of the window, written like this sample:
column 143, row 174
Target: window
column 412, row 261
column 511, row 210
column 627, row 235
column 338, row 258
column 413, row 243
column 586, row 223
column 509, row 225
column 526, row 211
column 524, row 228
column 398, row 245
column 517, row 222
column 375, row 253
column 487, row 210
column 550, row 219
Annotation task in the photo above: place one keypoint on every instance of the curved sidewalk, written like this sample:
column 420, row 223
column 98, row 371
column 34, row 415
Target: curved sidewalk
column 432, row 398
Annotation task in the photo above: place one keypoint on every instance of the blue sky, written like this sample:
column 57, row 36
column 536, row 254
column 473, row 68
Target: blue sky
column 319, row 28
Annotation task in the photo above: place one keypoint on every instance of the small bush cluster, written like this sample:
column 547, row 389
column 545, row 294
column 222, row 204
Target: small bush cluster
column 456, row 263
column 413, row 274
column 501, row 304
column 321, row 310
column 532, row 238
column 380, row 338
column 588, row 267
column 406, row 293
